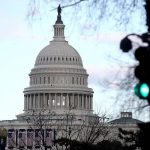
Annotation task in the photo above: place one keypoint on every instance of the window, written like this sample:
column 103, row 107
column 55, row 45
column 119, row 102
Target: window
column 40, row 80
column 77, row 80
column 58, row 100
column 44, row 80
column 64, row 101
column 72, row 80
column 48, row 102
column 53, row 79
column 53, row 102
column 48, row 80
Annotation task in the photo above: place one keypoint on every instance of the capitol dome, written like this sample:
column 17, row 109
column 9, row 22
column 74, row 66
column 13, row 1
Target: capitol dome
column 58, row 80
column 58, row 52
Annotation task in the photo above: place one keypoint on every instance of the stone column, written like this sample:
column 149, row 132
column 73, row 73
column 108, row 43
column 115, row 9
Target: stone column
column 72, row 101
column 30, row 101
column 67, row 101
column 29, row 105
column 86, row 102
column 89, row 102
column 34, row 101
column 92, row 102
column 44, row 100
column 25, row 102
column 55, row 100
column 78, row 99
column 50, row 100
column 38, row 102
column 61, row 100
column 82, row 101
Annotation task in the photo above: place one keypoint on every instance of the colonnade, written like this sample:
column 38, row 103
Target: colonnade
column 58, row 100
column 29, row 138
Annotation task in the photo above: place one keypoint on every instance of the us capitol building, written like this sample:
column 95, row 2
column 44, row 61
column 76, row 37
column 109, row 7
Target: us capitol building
column 58, row 87
column 58, row 84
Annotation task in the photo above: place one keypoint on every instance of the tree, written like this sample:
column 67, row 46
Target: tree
column 43, row 124
column 3, row 135
column 129, row 139
column 93, row 11
column 69, row 132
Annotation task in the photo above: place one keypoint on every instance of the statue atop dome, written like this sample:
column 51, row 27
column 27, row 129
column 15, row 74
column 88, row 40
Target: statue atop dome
column 59, row 21
column 59, row 10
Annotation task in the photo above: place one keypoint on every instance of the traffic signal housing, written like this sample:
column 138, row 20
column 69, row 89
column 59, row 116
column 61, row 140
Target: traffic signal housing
column 142, row 72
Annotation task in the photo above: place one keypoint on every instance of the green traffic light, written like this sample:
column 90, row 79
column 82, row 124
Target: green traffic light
column 142, row 90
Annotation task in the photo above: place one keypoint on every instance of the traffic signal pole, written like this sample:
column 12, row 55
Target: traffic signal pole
column 147, row 10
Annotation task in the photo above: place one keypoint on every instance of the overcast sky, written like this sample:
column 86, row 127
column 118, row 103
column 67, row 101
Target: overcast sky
column 21, row 40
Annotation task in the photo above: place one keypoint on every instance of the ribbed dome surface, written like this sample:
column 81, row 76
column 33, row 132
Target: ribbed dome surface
column 58, row 52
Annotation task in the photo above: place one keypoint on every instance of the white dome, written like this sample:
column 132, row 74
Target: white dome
column 59, row 53
column 58, row 81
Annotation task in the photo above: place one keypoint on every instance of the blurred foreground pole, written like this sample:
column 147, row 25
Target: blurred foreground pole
column 147, row 10
column 143, row 137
